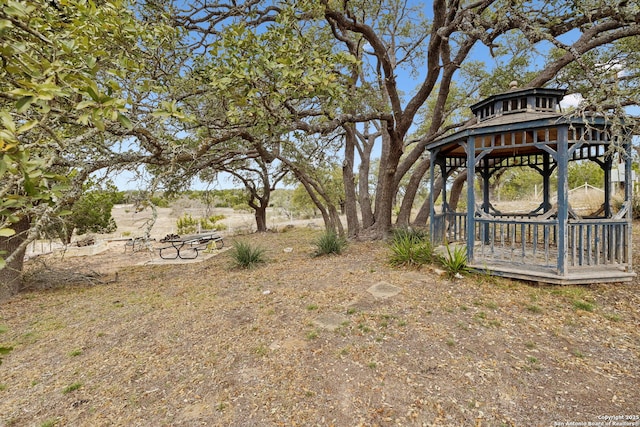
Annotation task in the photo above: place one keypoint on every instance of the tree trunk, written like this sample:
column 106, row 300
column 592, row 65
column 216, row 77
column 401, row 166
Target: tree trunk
column 350, row 207
column 423, row 214
column 404, row 216
column 366, row 209
column 259, row 206
column 386, row 187
column 336, row 224
column 456, row 190
column 260, row 213
column 257, row 201
column 329, row 222
column 11, row 275
column 364, row 199
column 315, row 191
column 65, row 232
column 494, row 186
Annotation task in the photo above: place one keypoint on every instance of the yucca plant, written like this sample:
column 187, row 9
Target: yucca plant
column 329, row 243
column 455, row 261
column 246, row 256
column 410, row 247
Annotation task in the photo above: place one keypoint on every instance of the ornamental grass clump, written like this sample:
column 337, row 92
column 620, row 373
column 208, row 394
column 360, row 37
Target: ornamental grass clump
column 329, row 243
column 410, row 247
column 246, row 256
column 455, row 261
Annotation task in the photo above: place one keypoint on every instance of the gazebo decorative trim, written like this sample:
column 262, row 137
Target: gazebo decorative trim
column 552, row 243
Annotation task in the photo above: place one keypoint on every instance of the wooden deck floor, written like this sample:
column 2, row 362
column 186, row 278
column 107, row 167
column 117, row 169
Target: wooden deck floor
column 575, row 276
column 541, row 266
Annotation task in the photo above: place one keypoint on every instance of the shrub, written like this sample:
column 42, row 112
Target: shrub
column 416, row 235
column 246, row 256
column 455, row 262
column 210, row 223
column 160, row 201
column 242, row 207
column 410, row 247
column 187, row 224
column 91, row 213
column 329, row 243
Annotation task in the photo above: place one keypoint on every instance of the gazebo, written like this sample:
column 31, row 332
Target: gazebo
column 551, row 243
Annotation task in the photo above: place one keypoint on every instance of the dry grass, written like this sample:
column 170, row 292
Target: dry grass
column 204, row 344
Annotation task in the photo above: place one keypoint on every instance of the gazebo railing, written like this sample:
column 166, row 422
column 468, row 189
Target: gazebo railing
column 598, row 242
column 450, row 227
column 530, row 241
column 521, row 241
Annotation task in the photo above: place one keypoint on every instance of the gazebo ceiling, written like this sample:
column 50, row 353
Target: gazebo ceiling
column 496, row 152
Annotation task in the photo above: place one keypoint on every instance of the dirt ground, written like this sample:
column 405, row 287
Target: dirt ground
column 301, row 341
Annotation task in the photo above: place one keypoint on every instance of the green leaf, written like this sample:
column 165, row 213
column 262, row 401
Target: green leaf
column 99, row 124
column 84, row 119
column 27, row 126
column 3, row 263
column 7, row 232
column 23, row 103
column 7, row 136
column 124, row 121
column 7, row 121
column 21, row 91
column 85, row 104
column 14, row 8
column 29, row 187
column 4, row 24
column 68, row 45
column 93, row 91
column 160, row 114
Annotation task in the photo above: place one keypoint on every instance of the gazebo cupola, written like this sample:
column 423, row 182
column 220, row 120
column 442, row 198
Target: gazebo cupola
column 551, row 242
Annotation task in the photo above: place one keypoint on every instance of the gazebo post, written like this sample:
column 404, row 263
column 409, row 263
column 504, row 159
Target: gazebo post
column 628, row 176
column 485, row 173
column 445, row 177
column 606, row 168
column 470, row 147
column 563, row 198
column 546, row 187
column 628, row 197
